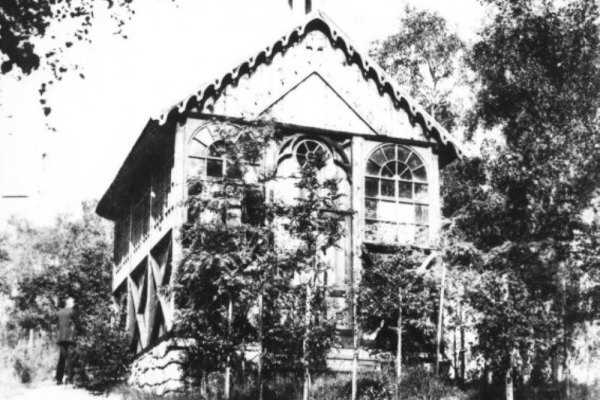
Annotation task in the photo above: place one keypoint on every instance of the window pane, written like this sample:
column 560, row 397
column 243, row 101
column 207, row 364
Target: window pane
column 422, row 215
column 371, row 208
column 403, row 154
column 214, row 168
column 371, row 187
column 414, row 162
column 421, row 234
column 386, row 210
column 379, row 157
column 390, row 152
column 387, row 188
column 371, row 231
column 405, row 172
column 197, row 166
column 372, row 168
column 405, row 213
column 389, row 169
column 217, row 149
column 405, row 190
column 420, row 192
column 420, row 174
column 405, row 233
column 197, row 149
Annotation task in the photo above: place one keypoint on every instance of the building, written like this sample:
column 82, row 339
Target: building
column 322, row 95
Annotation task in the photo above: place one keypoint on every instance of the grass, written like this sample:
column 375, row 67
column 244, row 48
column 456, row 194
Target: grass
column 27, row 359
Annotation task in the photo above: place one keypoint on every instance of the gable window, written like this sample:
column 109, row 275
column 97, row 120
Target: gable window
column 396, row 196
column 310, row 151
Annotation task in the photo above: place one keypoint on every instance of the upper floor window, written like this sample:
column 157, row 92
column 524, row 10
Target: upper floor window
column 396, row 196
column 208, row 159
column 311, row 151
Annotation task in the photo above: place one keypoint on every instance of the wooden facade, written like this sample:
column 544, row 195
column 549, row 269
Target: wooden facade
column 322, row 95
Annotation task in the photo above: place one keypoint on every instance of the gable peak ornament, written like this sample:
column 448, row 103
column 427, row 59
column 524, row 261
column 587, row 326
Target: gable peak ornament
column 301, row 7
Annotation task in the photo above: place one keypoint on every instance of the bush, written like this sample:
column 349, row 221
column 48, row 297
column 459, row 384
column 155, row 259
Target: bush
column 102, row 357
column 28, row 359
column 419, row 383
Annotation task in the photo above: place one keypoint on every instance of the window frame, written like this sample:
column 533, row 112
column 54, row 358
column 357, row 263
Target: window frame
column 421, row 203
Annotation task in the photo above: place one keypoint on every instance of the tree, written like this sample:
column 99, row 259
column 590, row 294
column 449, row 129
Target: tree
column 315, row 222
column 24, row 22
column 398, row 298
column 538, row 85
column 225, row 240
column 76, row 262
column 237, row 284
column 425, row 59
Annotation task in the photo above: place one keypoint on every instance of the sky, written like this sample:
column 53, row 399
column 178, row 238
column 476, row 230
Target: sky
column 170, row 50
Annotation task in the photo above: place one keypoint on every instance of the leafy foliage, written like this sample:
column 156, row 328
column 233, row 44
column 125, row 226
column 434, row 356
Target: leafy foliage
column 425, row 58
column 22, row 22
column 237, row 284
column 379, row 301
column 76, row 263
column 517, row 231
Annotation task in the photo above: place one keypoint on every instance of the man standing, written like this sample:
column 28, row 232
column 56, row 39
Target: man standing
column 66, row 341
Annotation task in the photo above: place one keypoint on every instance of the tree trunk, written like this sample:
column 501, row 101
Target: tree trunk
column 440, row 323
column 462, row 345
column 260, row 346
column 226, row 393
column 399, row 346
column 307, row 331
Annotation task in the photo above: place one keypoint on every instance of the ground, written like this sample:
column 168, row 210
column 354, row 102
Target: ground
column 48, row 391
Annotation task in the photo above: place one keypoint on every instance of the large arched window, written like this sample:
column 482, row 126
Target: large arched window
column 396, row 196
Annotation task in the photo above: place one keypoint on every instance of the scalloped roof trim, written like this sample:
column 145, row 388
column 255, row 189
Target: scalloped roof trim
column 337, row 37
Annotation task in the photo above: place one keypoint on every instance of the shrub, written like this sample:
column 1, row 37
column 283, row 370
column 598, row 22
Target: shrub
column 28, row 359
column 103, row 357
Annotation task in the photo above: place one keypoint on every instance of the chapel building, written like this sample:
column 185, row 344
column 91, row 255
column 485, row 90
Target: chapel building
column 321, row 95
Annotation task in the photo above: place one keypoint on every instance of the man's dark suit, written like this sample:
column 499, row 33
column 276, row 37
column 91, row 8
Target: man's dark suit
column 66, row 342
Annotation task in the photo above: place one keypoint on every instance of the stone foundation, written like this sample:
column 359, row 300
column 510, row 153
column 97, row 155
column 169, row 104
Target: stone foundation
column 160, row 369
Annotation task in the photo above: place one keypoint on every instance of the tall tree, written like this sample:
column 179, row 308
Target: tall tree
column 539, row 81
column 425, row 57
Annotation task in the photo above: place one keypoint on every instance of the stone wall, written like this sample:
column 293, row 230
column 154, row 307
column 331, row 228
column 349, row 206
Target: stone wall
column 160, row 369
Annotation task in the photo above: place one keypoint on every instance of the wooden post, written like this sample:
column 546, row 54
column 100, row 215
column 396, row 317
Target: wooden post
column 226, row 394
column 354, row 344
column 357, row 229
column 260, row 346
column 440, row 323
column 399, row 347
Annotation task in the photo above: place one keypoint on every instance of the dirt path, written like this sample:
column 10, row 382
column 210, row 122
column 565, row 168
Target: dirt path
column 47, row 391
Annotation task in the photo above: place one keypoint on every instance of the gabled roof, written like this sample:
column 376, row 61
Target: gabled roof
column 320, row 21
column 451, row 147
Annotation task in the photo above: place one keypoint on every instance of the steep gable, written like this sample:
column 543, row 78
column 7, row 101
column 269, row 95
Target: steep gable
column 312, row 102
column 317, row 47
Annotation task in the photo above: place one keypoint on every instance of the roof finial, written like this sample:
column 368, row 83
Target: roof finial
column 301, row 7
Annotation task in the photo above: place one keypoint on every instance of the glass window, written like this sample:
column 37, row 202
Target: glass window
column 311, row 151
column 396, row 196
column 206, row 159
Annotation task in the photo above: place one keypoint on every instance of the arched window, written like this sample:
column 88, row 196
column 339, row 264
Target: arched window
column 396, row 196
column 207, row 159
